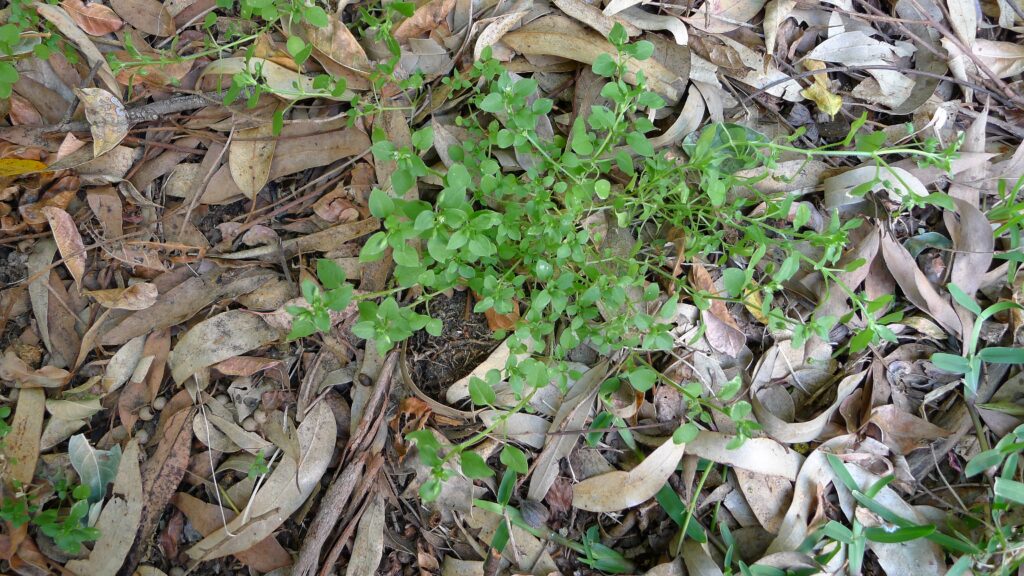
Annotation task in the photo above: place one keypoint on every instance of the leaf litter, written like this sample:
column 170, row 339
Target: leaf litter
column 153, row 278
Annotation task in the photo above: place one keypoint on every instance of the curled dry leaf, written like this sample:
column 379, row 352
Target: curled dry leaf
column 916, row 286
column 282, row 494
column 135, row 297
column 69, row 241
column 427, row 17
column 14, row 369
column 620, row 490
column 719, row 16
column 95, row 19
column 149, row 16
column 903, row 432
column 264, row 556
column 108, row 119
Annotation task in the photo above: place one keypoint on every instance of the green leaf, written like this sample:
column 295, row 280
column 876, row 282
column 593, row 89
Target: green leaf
column 951, row 363
column 301, row 327
column 638, row 142
column 642, row 379
column 316, row 16
column 686, row 433
column 515, row 459
column 330, row 274
column 618, row 36
column 734, row 280
column 983, row 461
column 474, row 466
column 840, row 471
column 963, row 299
column 481, row 393
column 458, row 178
column 339, row 298
column 295, row 45
column 381, row 205
column 604, row 65
column 423, row 139
column 1002, row 355
column 897, row 535
column 1010, row 490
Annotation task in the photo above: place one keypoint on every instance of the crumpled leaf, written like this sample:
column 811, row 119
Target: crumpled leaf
column 620, row 490
column 820, row 92
column 718, row 16
column 95, row 19
column 282, row 494
column 14, row 369
column 903, row 432
column 108, row 119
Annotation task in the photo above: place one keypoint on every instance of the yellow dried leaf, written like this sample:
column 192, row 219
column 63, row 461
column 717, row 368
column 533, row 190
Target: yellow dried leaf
column 18, row 166
column 819, row 91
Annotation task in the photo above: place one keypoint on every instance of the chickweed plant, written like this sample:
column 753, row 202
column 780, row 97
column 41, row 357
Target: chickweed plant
column 548, row 238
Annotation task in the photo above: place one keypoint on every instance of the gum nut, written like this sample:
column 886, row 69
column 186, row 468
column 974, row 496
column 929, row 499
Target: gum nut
column 249, row 424
column 145, row 414
column 142, row 436
column 159, row 403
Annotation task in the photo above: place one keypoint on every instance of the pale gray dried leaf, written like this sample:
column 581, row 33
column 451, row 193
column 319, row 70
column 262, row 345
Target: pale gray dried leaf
column 38, row 265
column 122, row 364
column 644, row 20
column 108, row 119
column 76, row 409
column 621, row 490
column 368, row 547
column 698, row 560
column 572, row 415
column 119, row 519
column 761, row 455
column 96, row 468
column 793, row 432
column 281, row 495
column 916, row 286
column 719, row 16
column 225, row 335
column 21, row 445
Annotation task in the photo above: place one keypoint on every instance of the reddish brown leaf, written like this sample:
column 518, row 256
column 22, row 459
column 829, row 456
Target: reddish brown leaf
column 95, row 19
column 264, row 556
column 148, row 16
column 69, row 241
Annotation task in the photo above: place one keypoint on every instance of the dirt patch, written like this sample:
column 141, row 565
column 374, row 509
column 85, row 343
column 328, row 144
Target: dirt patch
column 438, row 361
column 13, row 269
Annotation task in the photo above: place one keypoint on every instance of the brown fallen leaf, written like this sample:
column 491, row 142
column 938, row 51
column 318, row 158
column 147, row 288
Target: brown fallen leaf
column 149, row 16
column 560, row 36
column 250, row 157
column 22, row 442
column 135, row 297
column 916, row 286
column 722, row 331
column 719, row 16
column 903, row 432
column 69, row 241
column 95, row 19
column 426, row 18
column 108, row 119
column 14, row 369
column 221, row 337
column 63, row 22
column 264, row 556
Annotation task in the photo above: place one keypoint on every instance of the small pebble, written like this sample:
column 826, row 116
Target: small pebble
column 142, row 436
column 118, row 434
column 159, row 403
column 145, row 414
column 249, row 424
column 260, row 416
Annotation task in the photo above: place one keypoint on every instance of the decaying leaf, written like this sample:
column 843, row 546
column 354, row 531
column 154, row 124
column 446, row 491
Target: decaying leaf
column 149, row 16
column 249, row 158
column 135, row 297
column 228, row 334
column 722, row 332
